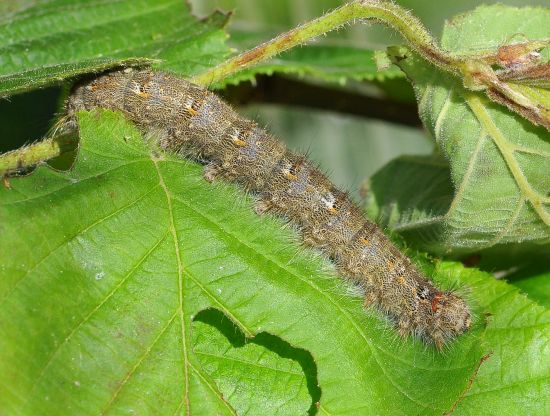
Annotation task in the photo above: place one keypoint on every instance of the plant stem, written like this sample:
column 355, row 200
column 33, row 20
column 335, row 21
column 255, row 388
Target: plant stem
column 383, row 11
column 31, row 155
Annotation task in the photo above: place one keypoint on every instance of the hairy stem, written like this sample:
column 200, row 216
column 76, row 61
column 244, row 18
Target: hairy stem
column 383, row 11
column 31, row 155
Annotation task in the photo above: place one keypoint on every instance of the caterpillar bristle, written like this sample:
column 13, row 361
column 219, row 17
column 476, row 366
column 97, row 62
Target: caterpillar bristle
column 195, row 123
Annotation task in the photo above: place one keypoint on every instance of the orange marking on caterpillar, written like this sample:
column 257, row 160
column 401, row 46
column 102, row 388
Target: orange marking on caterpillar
column 238, row 141
column 288, row 172
column 436, row 300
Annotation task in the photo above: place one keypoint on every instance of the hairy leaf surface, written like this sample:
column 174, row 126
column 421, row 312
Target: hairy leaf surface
column 496, row 195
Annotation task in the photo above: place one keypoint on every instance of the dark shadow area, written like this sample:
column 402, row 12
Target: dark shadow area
column 26, row 118
column 524, row 258
column 285, row 91
column 223, row 324
column 235, row 336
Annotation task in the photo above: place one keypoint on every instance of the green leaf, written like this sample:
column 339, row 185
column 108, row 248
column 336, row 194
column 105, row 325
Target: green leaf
column 529, row 99
column 23, row 81
column 133, row 245
column 461, row 34
column 498, row 161
column 534, row 281
column 54, row 40
column 108, row 274
column 105, row 267
column 515, row 379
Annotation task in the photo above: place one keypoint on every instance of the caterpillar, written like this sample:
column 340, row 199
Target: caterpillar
column 195, row 123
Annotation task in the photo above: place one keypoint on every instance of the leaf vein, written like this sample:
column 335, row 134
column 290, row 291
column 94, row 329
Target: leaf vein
column 94, row 311
column 64, row 242
column 250, row 363
column 138, row 363
column 344, row 313
column 506, row 150
column 245, row 329
column 213, row 388
column 69, row 183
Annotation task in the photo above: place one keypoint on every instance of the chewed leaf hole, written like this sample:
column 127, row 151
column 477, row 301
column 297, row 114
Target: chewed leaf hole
column 256, row 374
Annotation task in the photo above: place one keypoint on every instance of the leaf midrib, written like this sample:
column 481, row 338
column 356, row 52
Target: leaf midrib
column 489, row 129
column 184, row 339
column 476, row 104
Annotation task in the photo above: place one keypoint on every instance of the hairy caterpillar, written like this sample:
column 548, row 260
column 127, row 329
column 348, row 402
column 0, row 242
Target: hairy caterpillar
column 194, row 122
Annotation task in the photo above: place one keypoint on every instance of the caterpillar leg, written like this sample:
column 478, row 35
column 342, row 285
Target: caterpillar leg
column 213, row 171
column 404, row 326
column 261, row 206
column 370, row 299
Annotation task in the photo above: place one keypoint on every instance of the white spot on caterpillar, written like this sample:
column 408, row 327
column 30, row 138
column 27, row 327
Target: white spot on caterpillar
column 329, row 200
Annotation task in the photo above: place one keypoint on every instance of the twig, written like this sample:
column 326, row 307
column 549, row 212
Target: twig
column 385, row 12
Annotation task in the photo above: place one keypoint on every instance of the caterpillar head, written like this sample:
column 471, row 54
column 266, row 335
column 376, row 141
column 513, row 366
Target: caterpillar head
column 452, row 317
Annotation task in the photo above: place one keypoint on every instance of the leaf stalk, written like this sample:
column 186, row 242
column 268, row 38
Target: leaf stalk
column 385, row 12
